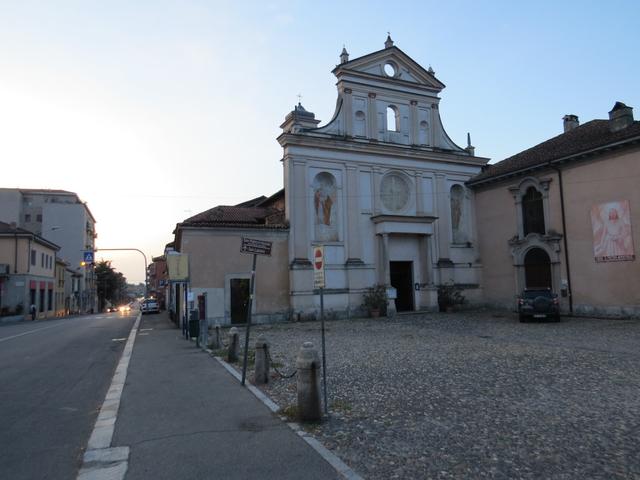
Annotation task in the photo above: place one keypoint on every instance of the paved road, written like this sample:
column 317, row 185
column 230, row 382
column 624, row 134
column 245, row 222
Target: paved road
column 53, row 380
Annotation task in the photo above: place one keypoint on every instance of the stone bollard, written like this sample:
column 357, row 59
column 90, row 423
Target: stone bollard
column 234, row 342
column 262, row 364
column 308, row 365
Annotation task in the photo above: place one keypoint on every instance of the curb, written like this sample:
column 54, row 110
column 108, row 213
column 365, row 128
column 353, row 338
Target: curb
column 101, row 461
column 342, row 468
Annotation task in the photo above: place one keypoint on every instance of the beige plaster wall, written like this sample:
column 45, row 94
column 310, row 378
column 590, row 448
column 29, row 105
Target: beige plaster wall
column 609, row 284
column 214, row 254
column 7, row 255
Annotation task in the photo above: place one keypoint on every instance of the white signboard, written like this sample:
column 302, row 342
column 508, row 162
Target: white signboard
column 318, row 267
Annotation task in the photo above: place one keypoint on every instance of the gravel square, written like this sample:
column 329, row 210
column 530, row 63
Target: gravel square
column 473, row 394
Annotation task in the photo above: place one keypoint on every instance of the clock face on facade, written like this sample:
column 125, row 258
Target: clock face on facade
column 394, row 192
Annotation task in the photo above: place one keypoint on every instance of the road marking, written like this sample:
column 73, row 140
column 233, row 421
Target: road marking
column 119, row 339
column 145, row 329
column 101, row 461
column 30, row 331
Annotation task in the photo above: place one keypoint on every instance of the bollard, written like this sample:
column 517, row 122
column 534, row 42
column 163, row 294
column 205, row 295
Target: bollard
column 308, row 365
column 234, row 341
column 214, row 340
column 262, row 361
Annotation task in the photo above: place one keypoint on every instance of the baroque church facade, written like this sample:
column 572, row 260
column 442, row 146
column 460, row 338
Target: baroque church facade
column 382, row 187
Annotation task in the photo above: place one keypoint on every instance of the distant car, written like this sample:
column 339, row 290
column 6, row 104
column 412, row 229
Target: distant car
column 124, row 308
column 149, row 305
column 538, row 303
column 111, row 309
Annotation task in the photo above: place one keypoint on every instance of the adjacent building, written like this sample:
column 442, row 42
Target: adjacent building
column 27, row 273
column 564, row 215
column 62, row 218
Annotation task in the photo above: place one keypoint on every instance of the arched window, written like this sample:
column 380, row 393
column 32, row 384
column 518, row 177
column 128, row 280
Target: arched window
column 457, row 214
column 325, row 208
column 393, row 119
column 359, row 125
column 532, row 212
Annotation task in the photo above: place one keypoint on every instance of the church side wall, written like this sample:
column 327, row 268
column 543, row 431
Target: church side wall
column 602, row 287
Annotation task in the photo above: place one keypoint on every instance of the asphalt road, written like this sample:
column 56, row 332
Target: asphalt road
column 53, row 380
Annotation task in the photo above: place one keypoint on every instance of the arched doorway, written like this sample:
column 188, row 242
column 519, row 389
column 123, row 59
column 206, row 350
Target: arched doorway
column 537, row 269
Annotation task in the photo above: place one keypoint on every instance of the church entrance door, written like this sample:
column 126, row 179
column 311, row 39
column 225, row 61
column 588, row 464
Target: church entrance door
column 537, row 269
column 402, row 281
column 239, row 300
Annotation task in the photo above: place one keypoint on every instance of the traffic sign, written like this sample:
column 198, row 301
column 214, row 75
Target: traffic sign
column 256, row 247
column 318, row 267
column 88, row 256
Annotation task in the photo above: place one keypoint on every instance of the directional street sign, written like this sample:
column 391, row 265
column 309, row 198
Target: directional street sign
column 256, row 247
column 318, row 267
column 88, row 256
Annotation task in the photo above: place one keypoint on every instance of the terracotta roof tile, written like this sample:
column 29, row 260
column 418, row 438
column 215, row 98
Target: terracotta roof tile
column 586, row 137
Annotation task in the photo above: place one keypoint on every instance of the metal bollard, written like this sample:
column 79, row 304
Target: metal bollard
column 214, row 340
column 262, row 364
column 234, row 342
column 308, row 365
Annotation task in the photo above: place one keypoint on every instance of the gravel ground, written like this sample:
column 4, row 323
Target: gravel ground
column 474, row 395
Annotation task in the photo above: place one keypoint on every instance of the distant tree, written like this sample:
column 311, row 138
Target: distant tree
column 111, row 285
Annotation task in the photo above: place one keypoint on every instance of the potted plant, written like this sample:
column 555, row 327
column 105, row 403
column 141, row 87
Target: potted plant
column 449, row 296
column 375, row 300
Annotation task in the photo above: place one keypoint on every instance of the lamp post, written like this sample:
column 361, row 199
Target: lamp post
column 146, row 284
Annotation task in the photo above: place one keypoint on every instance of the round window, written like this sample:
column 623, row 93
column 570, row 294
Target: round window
column 394, row 192
column 390, row 69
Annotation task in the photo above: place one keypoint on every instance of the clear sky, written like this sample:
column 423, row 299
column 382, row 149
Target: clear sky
column 153, row 111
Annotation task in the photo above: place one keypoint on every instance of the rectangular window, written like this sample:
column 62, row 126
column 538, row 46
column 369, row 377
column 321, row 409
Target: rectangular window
column 39, row 217
column 33, row 257
column 27, row 217
column 41, row 300
column 42, row 260
column 50, row 299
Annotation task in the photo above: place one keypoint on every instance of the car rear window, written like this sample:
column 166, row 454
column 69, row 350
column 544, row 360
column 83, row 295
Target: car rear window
column 536, row 293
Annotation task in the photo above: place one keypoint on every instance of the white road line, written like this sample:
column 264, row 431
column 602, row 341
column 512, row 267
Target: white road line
column 101, row 461
column 30, row 331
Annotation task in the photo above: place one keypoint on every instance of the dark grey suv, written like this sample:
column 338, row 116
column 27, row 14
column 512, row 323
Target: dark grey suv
column 538, row 303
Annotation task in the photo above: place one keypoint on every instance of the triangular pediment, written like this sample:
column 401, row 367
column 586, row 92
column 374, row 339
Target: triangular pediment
column 405, row 69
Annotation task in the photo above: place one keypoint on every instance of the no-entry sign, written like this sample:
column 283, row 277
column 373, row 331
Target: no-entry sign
column 318, row 267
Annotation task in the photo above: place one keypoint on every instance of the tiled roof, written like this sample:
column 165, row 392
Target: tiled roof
column 232, row 216
column 7, row 229
column 582, row 139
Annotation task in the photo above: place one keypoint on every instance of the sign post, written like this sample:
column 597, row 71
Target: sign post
column 255, row 247
column 319, row 282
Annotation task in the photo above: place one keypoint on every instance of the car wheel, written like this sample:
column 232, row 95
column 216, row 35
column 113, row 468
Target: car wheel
column 523, row 318
column 556, row 318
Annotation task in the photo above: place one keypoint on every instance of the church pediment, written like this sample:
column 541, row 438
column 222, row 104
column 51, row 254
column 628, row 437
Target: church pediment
column 390, row 64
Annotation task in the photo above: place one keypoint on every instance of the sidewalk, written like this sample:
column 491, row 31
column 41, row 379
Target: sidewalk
column 184, row 417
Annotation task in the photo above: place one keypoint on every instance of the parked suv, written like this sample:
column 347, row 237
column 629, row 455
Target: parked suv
column 149, row 305
column 538, row 303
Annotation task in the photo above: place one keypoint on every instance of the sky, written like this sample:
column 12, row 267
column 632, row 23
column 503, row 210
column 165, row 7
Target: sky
column 153, row 111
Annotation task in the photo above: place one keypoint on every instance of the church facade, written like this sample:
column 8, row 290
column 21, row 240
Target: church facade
column 382, row 187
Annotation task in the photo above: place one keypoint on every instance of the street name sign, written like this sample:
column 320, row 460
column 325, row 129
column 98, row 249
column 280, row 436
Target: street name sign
column 318, row 267
column 256, row 247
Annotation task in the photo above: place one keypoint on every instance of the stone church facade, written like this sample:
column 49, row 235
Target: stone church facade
column 382, row 187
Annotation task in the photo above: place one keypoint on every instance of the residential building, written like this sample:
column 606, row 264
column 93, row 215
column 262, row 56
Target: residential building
column 219, row 274
column 158, row 280
column 564, row 215
column 27, row 273
column 62, row 218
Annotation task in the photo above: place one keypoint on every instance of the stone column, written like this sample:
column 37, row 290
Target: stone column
column 373, row 116
column 299, row 206
column 444, row 218
column 354, row 242
column 348, row 112
column 413, row 120
column 308, row 383
column 262, row 363
column 385, row 259
column 376, row 175
column 234, row 341
column 419, row 194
